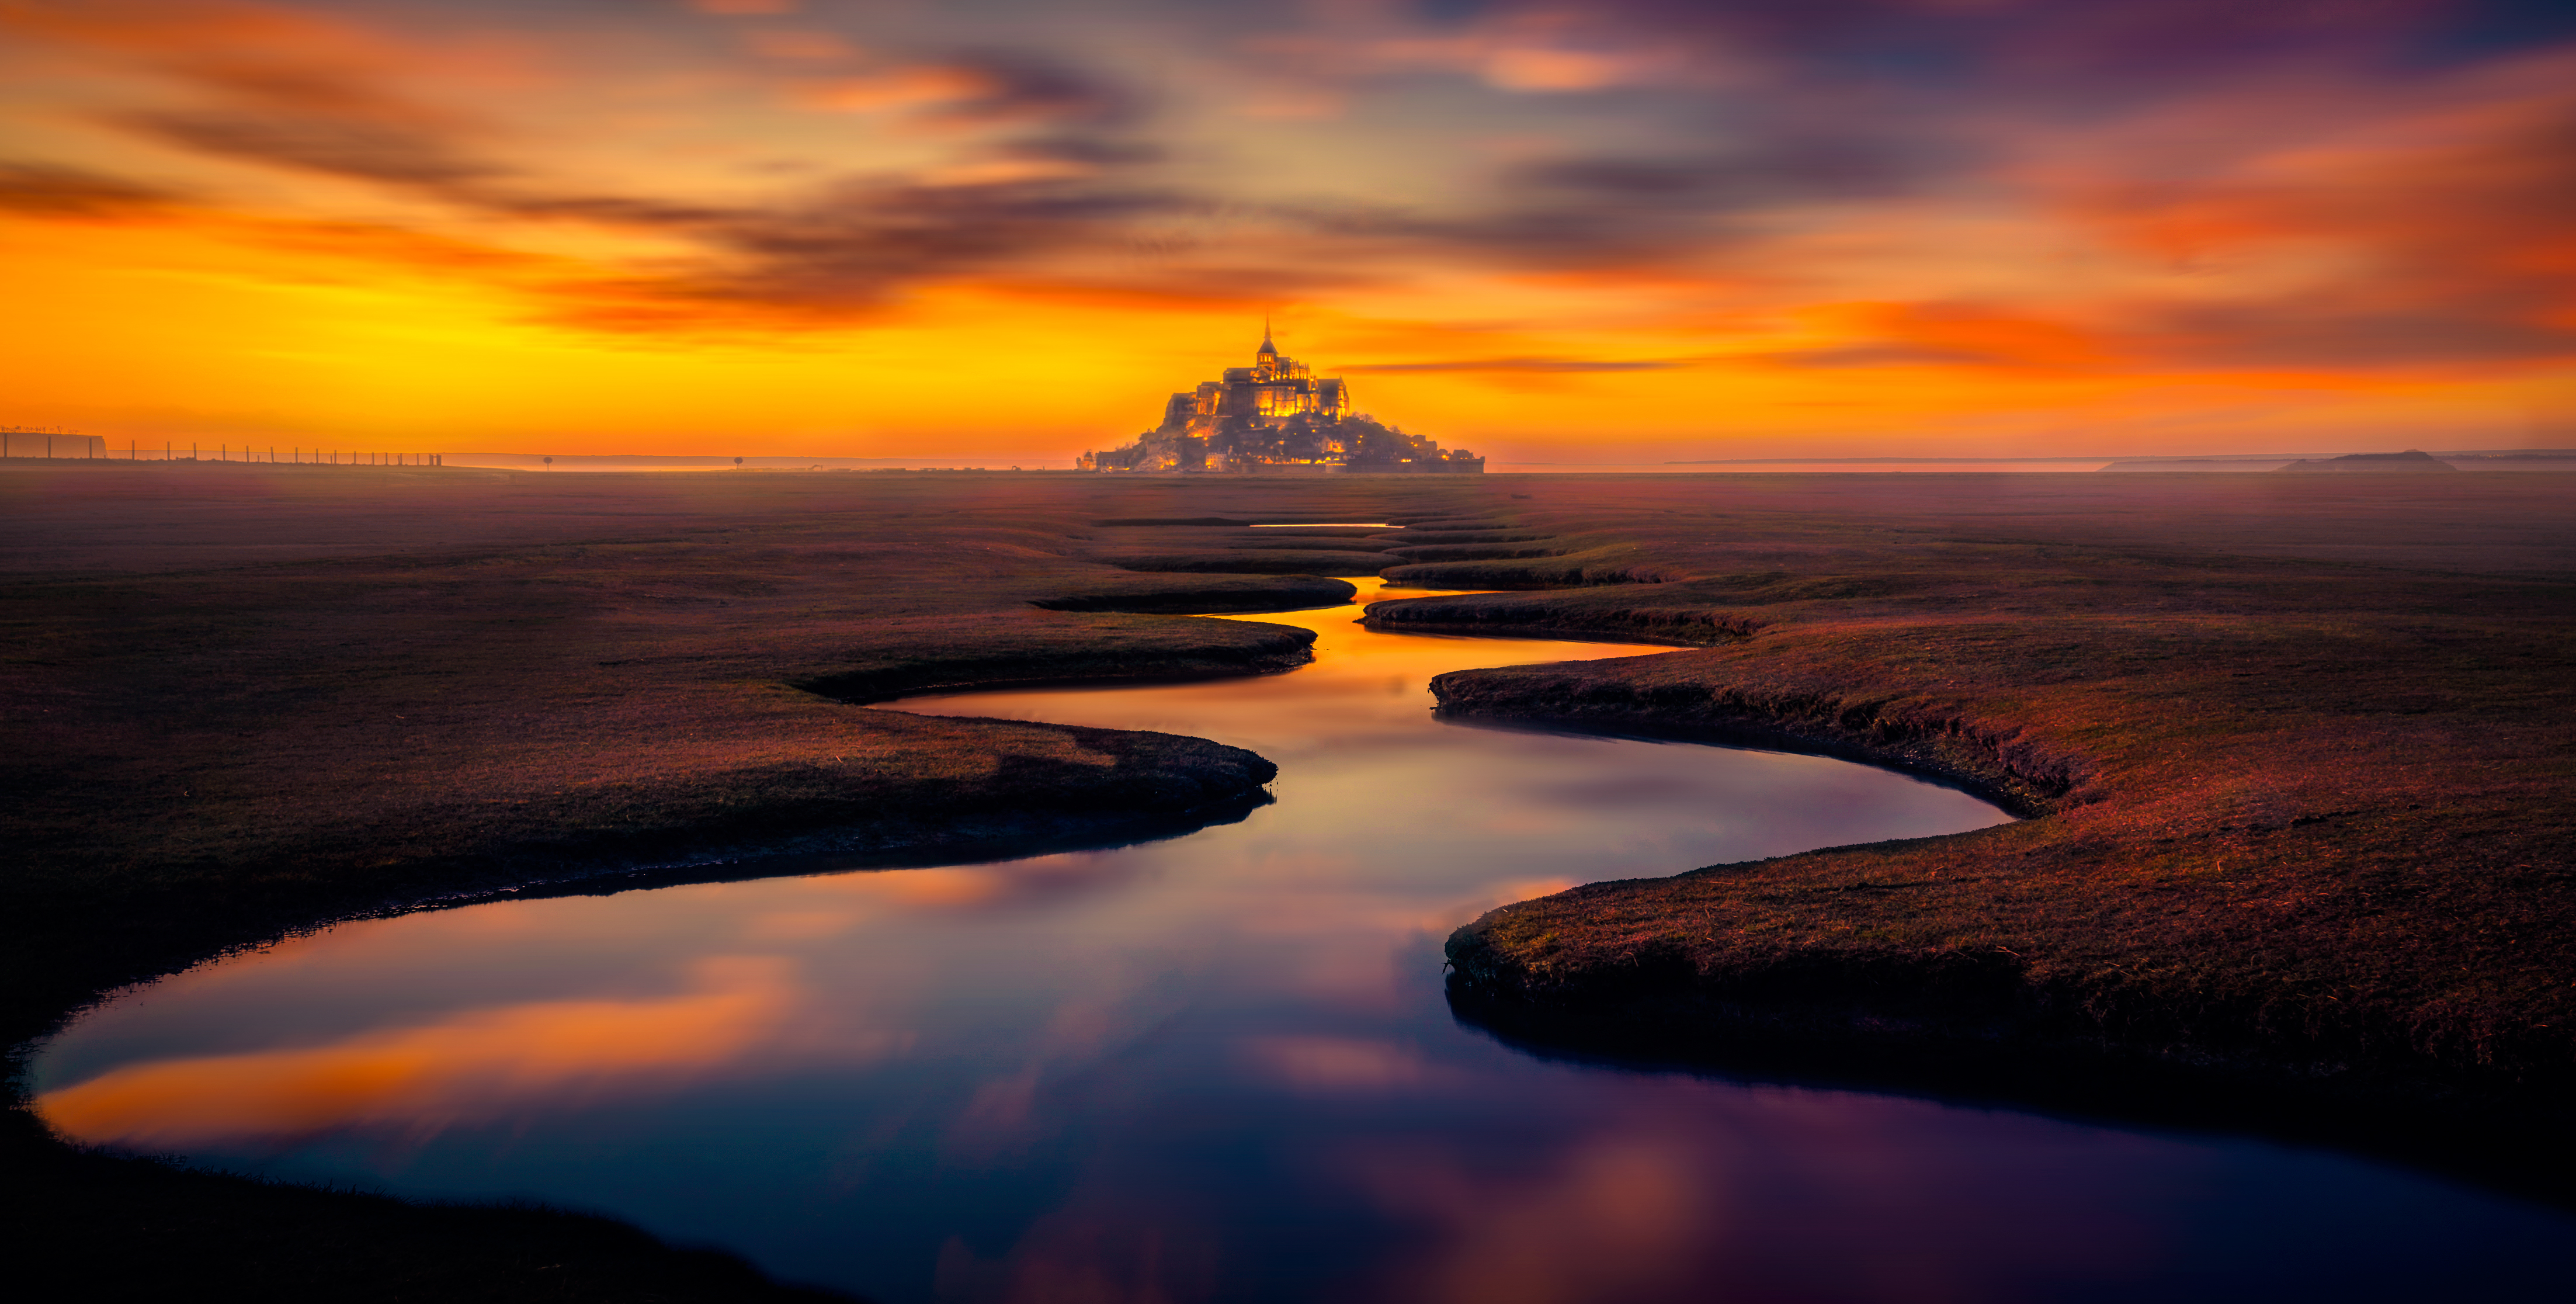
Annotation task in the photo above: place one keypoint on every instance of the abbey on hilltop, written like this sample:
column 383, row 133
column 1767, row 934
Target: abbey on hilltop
column 1274, row 416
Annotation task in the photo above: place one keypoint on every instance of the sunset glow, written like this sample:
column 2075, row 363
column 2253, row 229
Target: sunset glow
column 1633, row 230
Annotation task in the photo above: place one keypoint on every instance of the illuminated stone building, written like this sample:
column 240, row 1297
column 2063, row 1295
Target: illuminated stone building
column 1275, row 416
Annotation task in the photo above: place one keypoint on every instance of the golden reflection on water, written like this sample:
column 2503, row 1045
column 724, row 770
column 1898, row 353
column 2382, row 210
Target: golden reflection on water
column 470, row 1064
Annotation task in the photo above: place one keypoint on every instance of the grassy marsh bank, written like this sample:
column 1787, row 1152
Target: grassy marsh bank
column 2300, row 760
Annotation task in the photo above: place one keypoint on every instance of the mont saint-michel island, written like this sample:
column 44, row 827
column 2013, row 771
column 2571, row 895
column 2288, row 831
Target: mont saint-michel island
column 1275, row 416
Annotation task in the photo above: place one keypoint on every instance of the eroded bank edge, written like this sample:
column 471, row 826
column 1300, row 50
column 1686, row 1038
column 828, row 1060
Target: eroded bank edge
column 1973, row 1028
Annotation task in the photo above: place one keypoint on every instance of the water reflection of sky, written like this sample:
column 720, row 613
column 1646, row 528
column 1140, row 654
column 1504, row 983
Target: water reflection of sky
column 1216, row 1067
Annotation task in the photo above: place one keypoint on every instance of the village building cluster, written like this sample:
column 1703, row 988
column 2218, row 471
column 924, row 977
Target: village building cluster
column 1275, row 416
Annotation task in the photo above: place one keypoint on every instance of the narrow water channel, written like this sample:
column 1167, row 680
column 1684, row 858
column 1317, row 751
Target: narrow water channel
column 1220, row 1067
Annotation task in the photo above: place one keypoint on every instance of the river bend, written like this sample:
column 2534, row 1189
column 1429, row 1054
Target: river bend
column 1220, row 1067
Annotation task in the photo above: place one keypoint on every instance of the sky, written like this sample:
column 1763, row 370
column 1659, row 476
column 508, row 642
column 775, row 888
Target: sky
column 1619, row 230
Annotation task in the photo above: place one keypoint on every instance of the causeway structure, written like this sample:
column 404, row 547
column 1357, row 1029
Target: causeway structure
column 1275, row 416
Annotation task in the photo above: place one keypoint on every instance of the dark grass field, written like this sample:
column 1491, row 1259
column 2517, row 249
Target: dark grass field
column 2299, row 751
column 2300, row 761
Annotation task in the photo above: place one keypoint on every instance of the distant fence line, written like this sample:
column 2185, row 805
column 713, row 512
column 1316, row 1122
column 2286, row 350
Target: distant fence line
column 21, row 441
column 41, row 441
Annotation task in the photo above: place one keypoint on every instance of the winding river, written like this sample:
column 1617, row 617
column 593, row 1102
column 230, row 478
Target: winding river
column 1220, row 1067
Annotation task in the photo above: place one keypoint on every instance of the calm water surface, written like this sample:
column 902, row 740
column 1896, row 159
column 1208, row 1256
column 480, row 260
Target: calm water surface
column 1220, row 1067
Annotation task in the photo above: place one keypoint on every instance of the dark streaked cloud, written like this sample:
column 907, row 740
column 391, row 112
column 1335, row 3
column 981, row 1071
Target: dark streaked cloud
column 1886, row 355
column 1537, row 236
column 1540, row 366
column 834, row 254
column 2088, row 47
column 852, row 244
column 54, row 190
column 2316, row 335
column 1047, row 171
column 357, row 149
column 1849, row 166
column 1005, row 87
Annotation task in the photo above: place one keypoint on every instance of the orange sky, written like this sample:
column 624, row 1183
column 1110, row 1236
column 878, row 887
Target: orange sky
column 1630, row 230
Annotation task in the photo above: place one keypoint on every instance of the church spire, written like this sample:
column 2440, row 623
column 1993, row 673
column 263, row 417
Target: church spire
column 1267, row 348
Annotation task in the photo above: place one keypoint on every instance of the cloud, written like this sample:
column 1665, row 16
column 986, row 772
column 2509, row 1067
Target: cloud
column 832, row 256
column 1556, row 208
column 2434, row 236
column 984, row 89
column 2314, row 334
column 894, row 88
column 1527, row 365
column 53, row 190
column 1042, row 177
column 1535, row 236
column 1883, row 355
column 852, row 244
column 1017, row 87
column 1532, row 51
column 1541, row 68
column 1789, row 167
column 798, row 45
column 334, row 146
column 2243, row 188
column 829, row 253
column 2090, row 49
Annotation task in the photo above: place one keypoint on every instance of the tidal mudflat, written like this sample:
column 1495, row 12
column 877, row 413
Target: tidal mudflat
column 2294, row 755
column 1218, row 1066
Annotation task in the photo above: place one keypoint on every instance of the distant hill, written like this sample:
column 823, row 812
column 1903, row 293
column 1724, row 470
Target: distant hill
column 2228, row 464
column 2556, row 460
column 2412, row 461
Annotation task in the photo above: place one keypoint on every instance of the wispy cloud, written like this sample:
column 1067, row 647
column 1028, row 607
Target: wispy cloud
column 58, row 191
column 1539, row 366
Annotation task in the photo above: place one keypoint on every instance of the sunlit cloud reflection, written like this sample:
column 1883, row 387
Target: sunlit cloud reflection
column 466, row 1067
